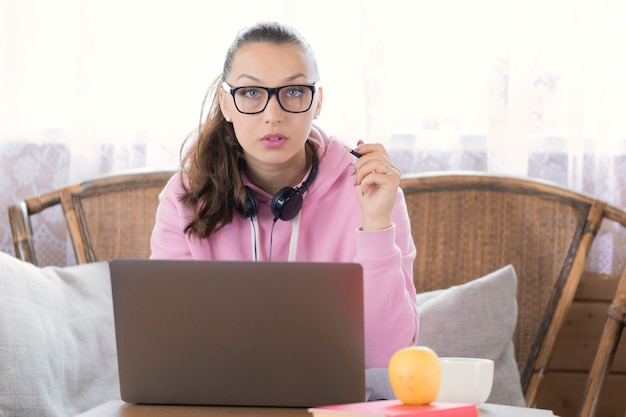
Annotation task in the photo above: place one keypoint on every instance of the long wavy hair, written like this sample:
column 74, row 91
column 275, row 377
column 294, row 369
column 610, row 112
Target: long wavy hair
column 215, row 158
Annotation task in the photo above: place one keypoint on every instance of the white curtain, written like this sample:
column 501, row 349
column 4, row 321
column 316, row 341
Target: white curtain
column 530, row 88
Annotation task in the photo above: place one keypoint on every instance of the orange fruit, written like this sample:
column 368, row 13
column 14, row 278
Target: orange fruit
column 415, row 374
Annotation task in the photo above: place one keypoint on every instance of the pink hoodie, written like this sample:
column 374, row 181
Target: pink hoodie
column 326, row 230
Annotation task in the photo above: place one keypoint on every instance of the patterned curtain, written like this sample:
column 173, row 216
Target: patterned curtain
column 526, row 88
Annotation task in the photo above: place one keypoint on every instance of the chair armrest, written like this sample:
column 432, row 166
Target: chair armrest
column 22, row 232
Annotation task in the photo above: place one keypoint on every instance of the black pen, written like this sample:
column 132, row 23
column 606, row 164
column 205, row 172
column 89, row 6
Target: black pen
column 353, row 152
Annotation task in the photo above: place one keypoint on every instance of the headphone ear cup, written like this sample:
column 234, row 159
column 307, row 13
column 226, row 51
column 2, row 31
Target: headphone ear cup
column 252, row 204
column 286, row 203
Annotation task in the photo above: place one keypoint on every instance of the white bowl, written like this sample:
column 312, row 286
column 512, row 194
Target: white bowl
column 465, row 380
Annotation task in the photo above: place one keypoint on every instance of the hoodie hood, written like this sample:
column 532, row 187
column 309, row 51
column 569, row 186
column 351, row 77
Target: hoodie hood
column 333, row 162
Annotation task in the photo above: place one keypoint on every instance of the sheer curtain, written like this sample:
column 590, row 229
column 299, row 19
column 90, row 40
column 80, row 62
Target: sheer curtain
column 528, row 88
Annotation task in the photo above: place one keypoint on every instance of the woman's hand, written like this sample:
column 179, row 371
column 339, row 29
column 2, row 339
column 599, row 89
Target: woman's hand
column 377, row 180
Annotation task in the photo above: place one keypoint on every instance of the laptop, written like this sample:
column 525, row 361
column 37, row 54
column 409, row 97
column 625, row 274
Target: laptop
column 230, row 333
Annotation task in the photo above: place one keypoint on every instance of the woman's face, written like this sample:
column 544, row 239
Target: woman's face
column 273, row 136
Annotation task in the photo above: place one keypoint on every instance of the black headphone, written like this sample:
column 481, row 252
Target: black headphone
column 287, row 202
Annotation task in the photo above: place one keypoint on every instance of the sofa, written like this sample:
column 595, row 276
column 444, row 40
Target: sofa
column 58, row 352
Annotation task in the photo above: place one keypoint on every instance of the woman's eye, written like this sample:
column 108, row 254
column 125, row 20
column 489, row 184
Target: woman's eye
column 294, row 92
column 248, row 93
column 252, row 93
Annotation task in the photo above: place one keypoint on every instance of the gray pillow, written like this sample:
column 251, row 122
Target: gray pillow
column 476, row 319
column 57, row 340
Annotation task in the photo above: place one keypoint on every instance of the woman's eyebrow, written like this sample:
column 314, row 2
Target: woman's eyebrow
column 250, row 77
column 256, row 80
column 295, row 77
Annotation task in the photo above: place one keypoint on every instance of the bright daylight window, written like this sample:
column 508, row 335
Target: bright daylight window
column 530, row 88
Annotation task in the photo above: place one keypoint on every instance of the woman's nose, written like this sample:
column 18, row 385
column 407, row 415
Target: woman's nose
column 273, row 111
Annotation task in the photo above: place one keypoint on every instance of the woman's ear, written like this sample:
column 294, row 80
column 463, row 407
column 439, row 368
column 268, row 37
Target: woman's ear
column 225, row 106
column 318, row 106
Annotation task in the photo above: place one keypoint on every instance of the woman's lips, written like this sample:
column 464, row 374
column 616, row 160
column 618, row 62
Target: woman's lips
column 273, row 140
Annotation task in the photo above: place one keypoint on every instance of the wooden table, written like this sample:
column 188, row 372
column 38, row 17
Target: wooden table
column 122, row 409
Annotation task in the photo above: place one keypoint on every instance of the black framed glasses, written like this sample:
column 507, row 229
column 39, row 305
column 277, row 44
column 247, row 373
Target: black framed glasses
column 296, row 98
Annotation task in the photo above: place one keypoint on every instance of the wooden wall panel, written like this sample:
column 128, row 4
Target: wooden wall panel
column 564, row 383
column 566, row 390
column 576, row 347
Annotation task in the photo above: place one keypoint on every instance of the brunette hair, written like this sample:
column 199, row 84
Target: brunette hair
column 214, row 159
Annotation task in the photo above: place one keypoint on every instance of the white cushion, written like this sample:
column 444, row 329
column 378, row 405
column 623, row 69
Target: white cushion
column 476, row 319
column 57, row 340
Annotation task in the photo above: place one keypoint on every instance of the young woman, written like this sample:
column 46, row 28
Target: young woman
column 261, row 182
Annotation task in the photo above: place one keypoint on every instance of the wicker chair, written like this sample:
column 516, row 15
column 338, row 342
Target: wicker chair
column 466, row 225
column 108, row 217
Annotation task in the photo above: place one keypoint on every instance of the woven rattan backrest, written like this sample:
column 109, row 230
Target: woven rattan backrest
column 108, row 217
column 466, row 225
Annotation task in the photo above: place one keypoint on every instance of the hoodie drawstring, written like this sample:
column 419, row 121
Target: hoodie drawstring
column 255, row 242
column 293, row 242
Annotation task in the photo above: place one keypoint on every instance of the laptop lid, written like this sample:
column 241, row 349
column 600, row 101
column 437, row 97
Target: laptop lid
column 239, row 333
